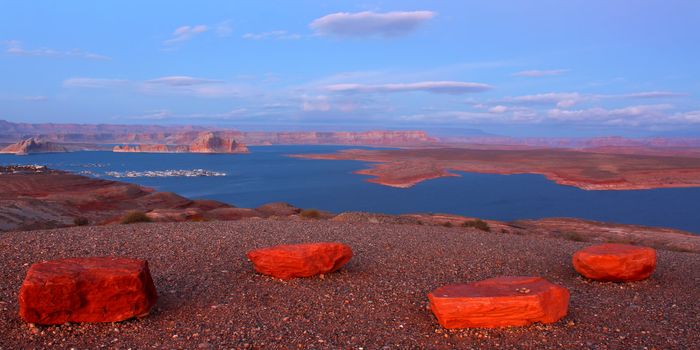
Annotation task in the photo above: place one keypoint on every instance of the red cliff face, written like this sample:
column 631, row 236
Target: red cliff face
column 212, row 143
column 33, row 145
column 208, row 142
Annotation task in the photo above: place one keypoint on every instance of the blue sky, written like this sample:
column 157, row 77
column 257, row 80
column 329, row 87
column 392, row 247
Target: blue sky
column 523, row 68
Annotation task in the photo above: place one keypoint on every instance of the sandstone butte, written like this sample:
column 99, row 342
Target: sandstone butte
column 33, row 145
column 97, row 289
column 300, row 260
column 499, row 302
column 615, row 262
column 206, row 142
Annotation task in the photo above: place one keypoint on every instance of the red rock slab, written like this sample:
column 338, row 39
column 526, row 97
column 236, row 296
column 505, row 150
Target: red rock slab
column 499, row 302
column 615, row 262
column 97, row 289
column 300, row 260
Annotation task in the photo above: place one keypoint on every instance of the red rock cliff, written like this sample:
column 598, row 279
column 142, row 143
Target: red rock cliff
column 33, row 145
column 212, row 143
column 208, row 142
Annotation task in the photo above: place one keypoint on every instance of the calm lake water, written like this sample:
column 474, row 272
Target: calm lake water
column 267, row 175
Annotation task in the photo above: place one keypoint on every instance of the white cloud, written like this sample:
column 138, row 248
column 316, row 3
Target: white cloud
column 650, row 94
column 631, row 115
column 33, row 98
column 363, row 24
column 94, row 82
column 15, row 48
column 155, row 115
column 182, row 80
column 644, row 116
column 498, row 109
column 275, row 34
column 570, row 99
column 438, row 87
column 560, row 99
column 690, row 117
column 315, row 104
column 185, row 33
column 171, row 85
column 540, row 73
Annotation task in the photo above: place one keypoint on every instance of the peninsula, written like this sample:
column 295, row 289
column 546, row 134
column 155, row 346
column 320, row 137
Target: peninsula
column 597, row 169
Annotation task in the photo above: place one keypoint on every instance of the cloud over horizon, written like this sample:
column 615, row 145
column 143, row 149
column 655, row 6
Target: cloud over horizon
column 15, row 48
column 368, row 23
column 275, row 34
column 169, row 85
column 436, row 87
column 182, row 80
column 539, row 73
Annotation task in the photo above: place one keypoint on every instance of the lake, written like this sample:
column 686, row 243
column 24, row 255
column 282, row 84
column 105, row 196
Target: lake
column 268, row 175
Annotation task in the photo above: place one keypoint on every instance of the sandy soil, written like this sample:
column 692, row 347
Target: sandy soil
column 211, row 298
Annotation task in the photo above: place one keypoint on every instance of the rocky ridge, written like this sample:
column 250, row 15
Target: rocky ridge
column 34, row 145
column 206, row 142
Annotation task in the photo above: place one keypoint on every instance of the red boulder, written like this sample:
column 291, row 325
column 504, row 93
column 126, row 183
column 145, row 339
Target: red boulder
column 300, row 260
column 105, row 289
column 615, row 262
column 499, row 302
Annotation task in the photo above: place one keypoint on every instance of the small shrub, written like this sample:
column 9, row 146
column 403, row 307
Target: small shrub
column 477, row 224
column 447, row 224
column 198, row 218
column 619, row 240
column 134, row 217
column 680, row 249
column 80, row 221
column 310, row 214
column 574, row 236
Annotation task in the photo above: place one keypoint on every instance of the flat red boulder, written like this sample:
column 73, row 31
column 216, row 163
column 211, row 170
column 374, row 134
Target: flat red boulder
column 300, row 260
column 499, row 302
column 615, row 262
column 105, row 289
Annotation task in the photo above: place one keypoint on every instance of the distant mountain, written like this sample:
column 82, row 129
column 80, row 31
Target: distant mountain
column 110, row 134
column 186, row 135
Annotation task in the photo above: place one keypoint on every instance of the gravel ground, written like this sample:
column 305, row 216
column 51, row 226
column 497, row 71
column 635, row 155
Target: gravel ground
column 211, row 298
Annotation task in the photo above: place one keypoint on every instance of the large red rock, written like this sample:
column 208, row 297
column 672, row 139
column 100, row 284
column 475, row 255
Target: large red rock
column 615, row 262
column 300, row 260
column 499, row 302
column 105, row 289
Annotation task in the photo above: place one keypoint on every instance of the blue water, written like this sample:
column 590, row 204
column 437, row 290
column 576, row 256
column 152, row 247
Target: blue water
column 267, row 175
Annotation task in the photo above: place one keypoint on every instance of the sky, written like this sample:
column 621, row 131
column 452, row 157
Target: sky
column 520, row 68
